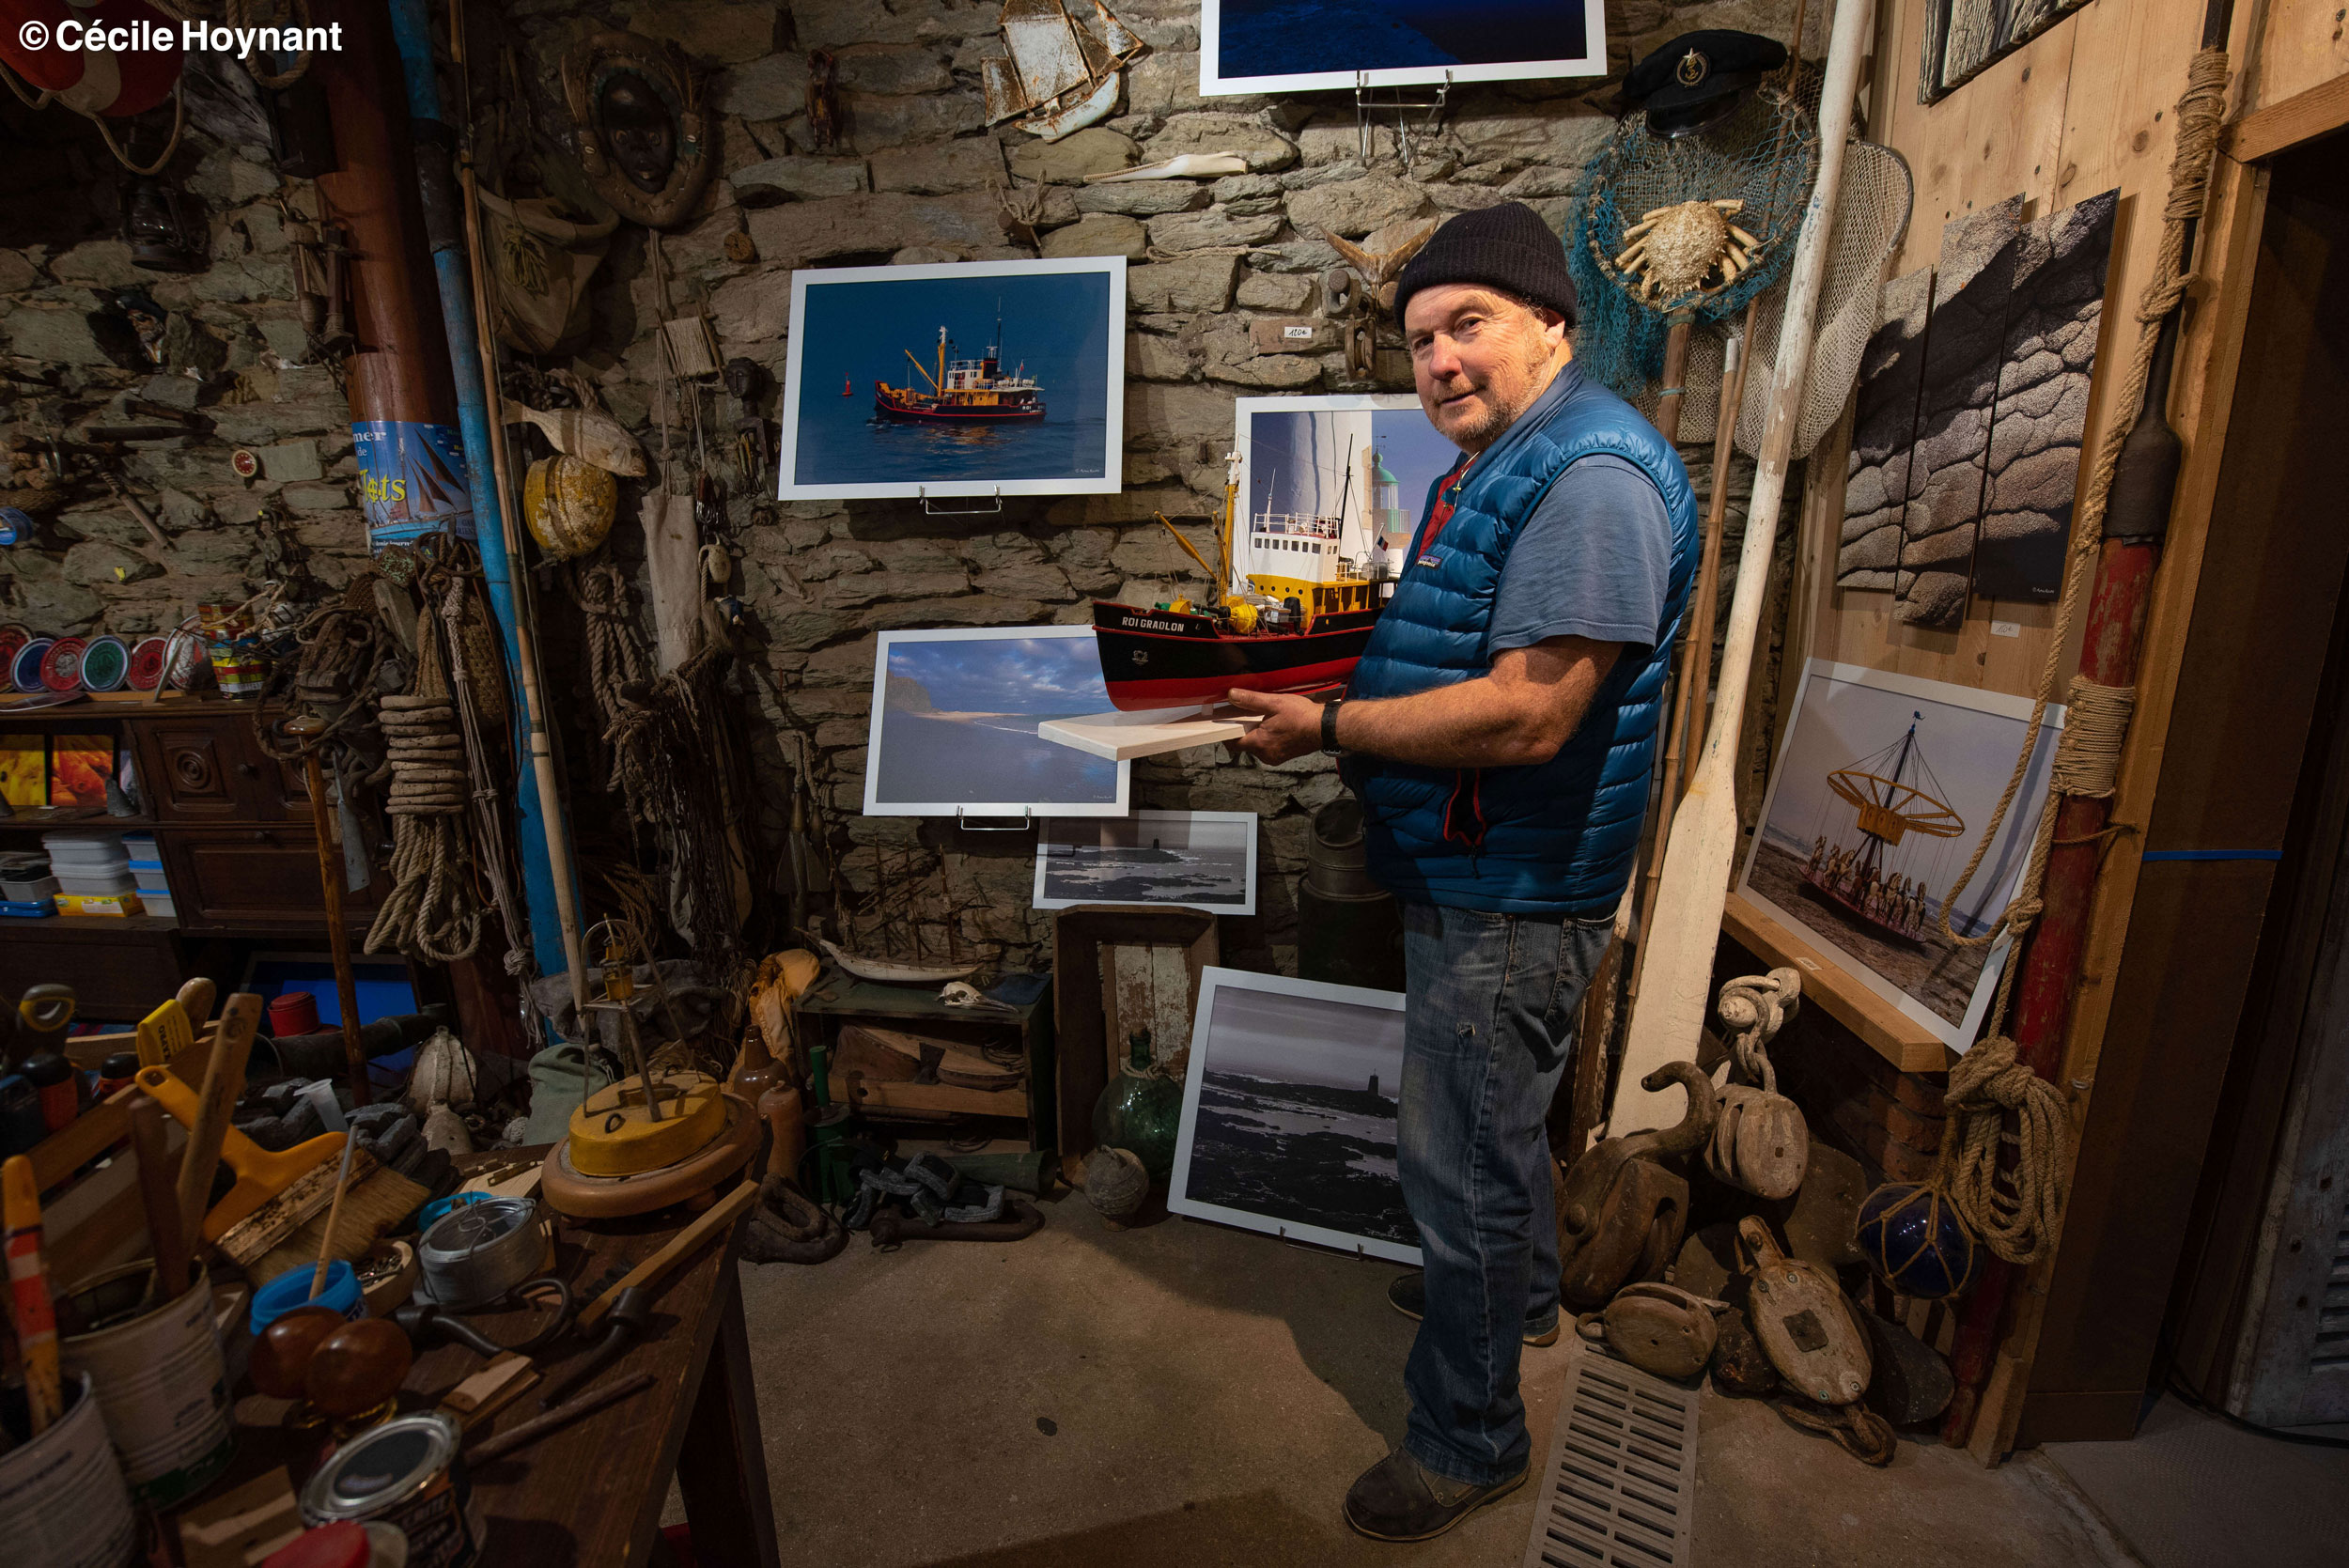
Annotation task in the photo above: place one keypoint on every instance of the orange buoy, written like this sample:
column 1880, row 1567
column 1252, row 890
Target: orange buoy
column 848, row 388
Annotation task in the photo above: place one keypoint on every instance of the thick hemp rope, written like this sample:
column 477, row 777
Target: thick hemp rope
column 1989, row 1083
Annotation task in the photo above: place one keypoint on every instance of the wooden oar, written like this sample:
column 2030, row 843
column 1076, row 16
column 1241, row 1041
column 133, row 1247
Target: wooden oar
column 1676, row 953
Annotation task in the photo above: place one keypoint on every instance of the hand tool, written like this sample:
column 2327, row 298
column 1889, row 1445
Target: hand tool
column 628, row 1316
column 538, row 1426
column 331, row 885
column 28, row 1293
column 724, row 1212
column 157, row 1191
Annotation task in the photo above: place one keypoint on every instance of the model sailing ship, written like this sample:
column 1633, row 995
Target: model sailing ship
column 1859, row 878
column 1291, row 612
column 1057, row 75
column 963, row 391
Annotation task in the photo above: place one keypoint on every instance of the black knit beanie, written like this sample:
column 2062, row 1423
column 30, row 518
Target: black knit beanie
column 1506, row 247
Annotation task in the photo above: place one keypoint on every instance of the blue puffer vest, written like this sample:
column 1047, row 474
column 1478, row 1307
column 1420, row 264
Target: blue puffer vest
column 1554, row 838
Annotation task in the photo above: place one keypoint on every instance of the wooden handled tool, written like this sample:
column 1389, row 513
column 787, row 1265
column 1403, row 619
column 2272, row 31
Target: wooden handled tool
column 158, row 1191
column 28, row 1293
column 1675, row 977
column 724, row 1212
column 561, row 1416
column 224, row 1080
column 196, row 998
column 331, row 885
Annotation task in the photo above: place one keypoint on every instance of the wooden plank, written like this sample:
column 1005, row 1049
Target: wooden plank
column 2300, row 44
column 2321, row 111
column 930, row 1096
column 1123, row 736
column 1892, row 1033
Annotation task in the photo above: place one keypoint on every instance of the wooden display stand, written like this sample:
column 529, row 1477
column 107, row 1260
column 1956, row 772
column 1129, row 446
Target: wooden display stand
column 1893, row 1035
column 839, row 998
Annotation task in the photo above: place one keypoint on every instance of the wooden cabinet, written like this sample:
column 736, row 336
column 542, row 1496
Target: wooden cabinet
column 211, row 768
column 252, row 878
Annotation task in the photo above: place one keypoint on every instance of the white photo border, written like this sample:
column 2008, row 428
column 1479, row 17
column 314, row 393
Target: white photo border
column 1211, row 980
column 1112, row 479
column 1034, row 810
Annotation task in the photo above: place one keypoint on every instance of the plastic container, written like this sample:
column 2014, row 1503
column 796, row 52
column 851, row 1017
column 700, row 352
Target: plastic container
column 159, row 905
column 84, row 852
column 101, row 883
column 160, row 1381
column 32, row 908
column 150, row 878
column 291, row 1289
column 293, row 1012
column 141, row 847
column 113, row 904
column 28, row 890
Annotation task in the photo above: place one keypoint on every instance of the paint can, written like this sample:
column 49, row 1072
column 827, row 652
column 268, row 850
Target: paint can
column 405, row 1473
column 62, row 1501
column 161, row 1382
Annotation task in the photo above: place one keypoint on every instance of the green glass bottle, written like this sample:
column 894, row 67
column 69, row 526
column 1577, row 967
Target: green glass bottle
column 1140, row 1112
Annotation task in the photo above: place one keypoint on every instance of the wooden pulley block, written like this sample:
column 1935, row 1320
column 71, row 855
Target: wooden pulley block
column 1657, row 1327
column 613, row 1132
column 1761, row 1145
column 571, row 1192
column 1804, row 1324
column 1620, row 1213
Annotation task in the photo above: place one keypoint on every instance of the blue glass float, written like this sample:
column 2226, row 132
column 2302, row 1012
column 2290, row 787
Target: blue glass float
column 1912, row 1237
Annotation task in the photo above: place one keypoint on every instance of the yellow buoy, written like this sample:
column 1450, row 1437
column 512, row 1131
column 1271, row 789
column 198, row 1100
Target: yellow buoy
column 1243, row 617
column 613, row 1134
column 568, row 503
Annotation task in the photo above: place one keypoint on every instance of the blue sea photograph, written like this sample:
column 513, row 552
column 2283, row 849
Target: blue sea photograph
column 861, row 331
column 955, row 724
column 1258, row 39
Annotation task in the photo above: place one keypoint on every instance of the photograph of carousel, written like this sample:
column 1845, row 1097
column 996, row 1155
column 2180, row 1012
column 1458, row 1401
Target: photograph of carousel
column 1884, row 788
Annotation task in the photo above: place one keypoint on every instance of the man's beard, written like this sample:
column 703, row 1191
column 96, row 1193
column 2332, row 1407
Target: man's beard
column 1497, row 416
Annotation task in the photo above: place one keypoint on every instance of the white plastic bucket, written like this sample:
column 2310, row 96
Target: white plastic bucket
column 62, row 1501
column 161, row 1382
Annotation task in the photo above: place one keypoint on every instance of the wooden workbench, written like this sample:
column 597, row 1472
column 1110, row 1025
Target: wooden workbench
column 592, row 1494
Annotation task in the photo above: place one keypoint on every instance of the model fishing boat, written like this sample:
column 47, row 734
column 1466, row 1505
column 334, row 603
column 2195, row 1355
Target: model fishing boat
column 1872, row 880
column 963, row 391
column 1057, row 74
column 1293, row 611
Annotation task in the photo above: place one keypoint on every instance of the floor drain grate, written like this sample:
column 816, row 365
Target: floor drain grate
column 1620, row 1491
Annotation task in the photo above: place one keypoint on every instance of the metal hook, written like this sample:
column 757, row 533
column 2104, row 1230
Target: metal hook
column 933, row 509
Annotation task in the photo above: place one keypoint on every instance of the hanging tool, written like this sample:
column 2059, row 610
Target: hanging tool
column 330, row 883
column 146, row 518
column 165, row 1236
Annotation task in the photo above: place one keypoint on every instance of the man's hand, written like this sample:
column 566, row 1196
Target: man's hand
column 1291, row 726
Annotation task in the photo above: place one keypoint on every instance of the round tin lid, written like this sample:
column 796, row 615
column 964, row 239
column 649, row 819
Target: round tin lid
column 382, row 1467
column 105, row 664
column 61, row 667
column 26, row 670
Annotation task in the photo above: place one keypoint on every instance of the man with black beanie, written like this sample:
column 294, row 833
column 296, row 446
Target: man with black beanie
column 1500, row 731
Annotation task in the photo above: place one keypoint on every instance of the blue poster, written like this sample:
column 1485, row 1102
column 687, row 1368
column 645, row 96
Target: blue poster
column 412, row 479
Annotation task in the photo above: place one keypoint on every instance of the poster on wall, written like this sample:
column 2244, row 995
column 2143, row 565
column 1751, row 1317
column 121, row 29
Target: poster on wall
column 1357, row 467
column 24, row 770
column 1964, row 36
column 1270, row 46
column 1289, row 1113
column 1193, row 859
column 954, row 725
column 1885, row 786
column 79, row 766
column 977, row 379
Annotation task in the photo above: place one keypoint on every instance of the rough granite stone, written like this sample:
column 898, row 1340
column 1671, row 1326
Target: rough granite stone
column 1355, row 207
column 1275, row 292
column 1263, row 149
column 1099, row 234
column 1096, row 150
column 1193, row 283
column 1211, row 229
column 1143, row 198
column 966, row 164
column 94, row 563
column 805, row 178
column 773, row 87
column 879, row 68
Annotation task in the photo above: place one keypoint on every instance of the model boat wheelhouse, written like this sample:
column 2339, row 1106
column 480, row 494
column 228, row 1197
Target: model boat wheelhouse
column 962, row 391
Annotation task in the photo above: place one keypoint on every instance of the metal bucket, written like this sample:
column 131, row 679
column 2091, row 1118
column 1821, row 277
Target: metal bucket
column 1337, row 864
column 62, row 1501
column 160, row 1380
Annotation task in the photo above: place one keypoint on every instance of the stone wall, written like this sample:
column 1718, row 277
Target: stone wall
column 915, row 177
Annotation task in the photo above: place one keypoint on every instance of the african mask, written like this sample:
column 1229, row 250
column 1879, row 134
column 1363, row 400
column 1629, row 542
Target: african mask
column 637, row 118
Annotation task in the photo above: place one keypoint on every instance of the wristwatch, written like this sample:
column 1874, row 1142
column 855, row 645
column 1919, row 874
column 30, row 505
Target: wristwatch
column 1329, row 726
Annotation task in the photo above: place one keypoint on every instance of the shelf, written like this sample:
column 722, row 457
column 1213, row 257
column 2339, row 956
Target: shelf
column 96, row 925
column 49, row 819
column 1891, row 1033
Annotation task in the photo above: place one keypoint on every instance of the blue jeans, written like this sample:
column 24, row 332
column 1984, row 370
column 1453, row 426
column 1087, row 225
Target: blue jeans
column 1485, row 1038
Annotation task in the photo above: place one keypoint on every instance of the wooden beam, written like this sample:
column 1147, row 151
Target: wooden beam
column 1888, row 1031
column 2321, row 111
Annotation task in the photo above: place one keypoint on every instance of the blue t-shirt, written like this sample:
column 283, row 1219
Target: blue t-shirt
column 1592, row 560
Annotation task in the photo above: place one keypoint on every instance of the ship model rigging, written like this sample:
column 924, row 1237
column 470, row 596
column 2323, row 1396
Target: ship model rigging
column 962, row 392
column 1896, row 796
column 1057, row 74
column 1292, row 612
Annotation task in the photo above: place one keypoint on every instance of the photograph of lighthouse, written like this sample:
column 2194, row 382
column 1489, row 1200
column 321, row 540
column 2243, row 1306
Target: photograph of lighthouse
column 1363, row 463
column 1880, row 796
column 1289, row 1113
column 975, row 378
column 1260, row 46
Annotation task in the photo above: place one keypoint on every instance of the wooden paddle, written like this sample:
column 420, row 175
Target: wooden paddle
column 1676, row 979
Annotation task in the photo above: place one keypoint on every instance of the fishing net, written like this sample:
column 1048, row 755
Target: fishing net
column 1763, row 156
column 1871, row 216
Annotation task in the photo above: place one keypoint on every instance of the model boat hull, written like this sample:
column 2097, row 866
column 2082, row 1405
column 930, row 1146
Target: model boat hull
column 1153, row 658
column 948, row 413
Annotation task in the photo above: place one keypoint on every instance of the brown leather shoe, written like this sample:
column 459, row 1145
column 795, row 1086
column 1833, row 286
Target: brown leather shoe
column 1401, row 1500
column 1407, row 1293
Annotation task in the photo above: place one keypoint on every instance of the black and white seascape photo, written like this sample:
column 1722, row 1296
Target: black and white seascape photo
column 1194, row 859
column 1289, row 1113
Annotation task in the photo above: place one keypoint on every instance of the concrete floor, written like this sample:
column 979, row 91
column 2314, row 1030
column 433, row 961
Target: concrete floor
column 1180, row 1393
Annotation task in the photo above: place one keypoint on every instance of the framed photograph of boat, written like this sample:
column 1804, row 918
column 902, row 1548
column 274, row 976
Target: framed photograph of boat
column 975, row 378
column 1273, row 46
column 954, row 726
column 1882, row 791
column 1193, row 859
column 1289, row 1113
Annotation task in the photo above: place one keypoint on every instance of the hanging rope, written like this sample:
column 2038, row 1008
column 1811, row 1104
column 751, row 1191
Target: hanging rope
column 1989, row 1084
column 2088, row 753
